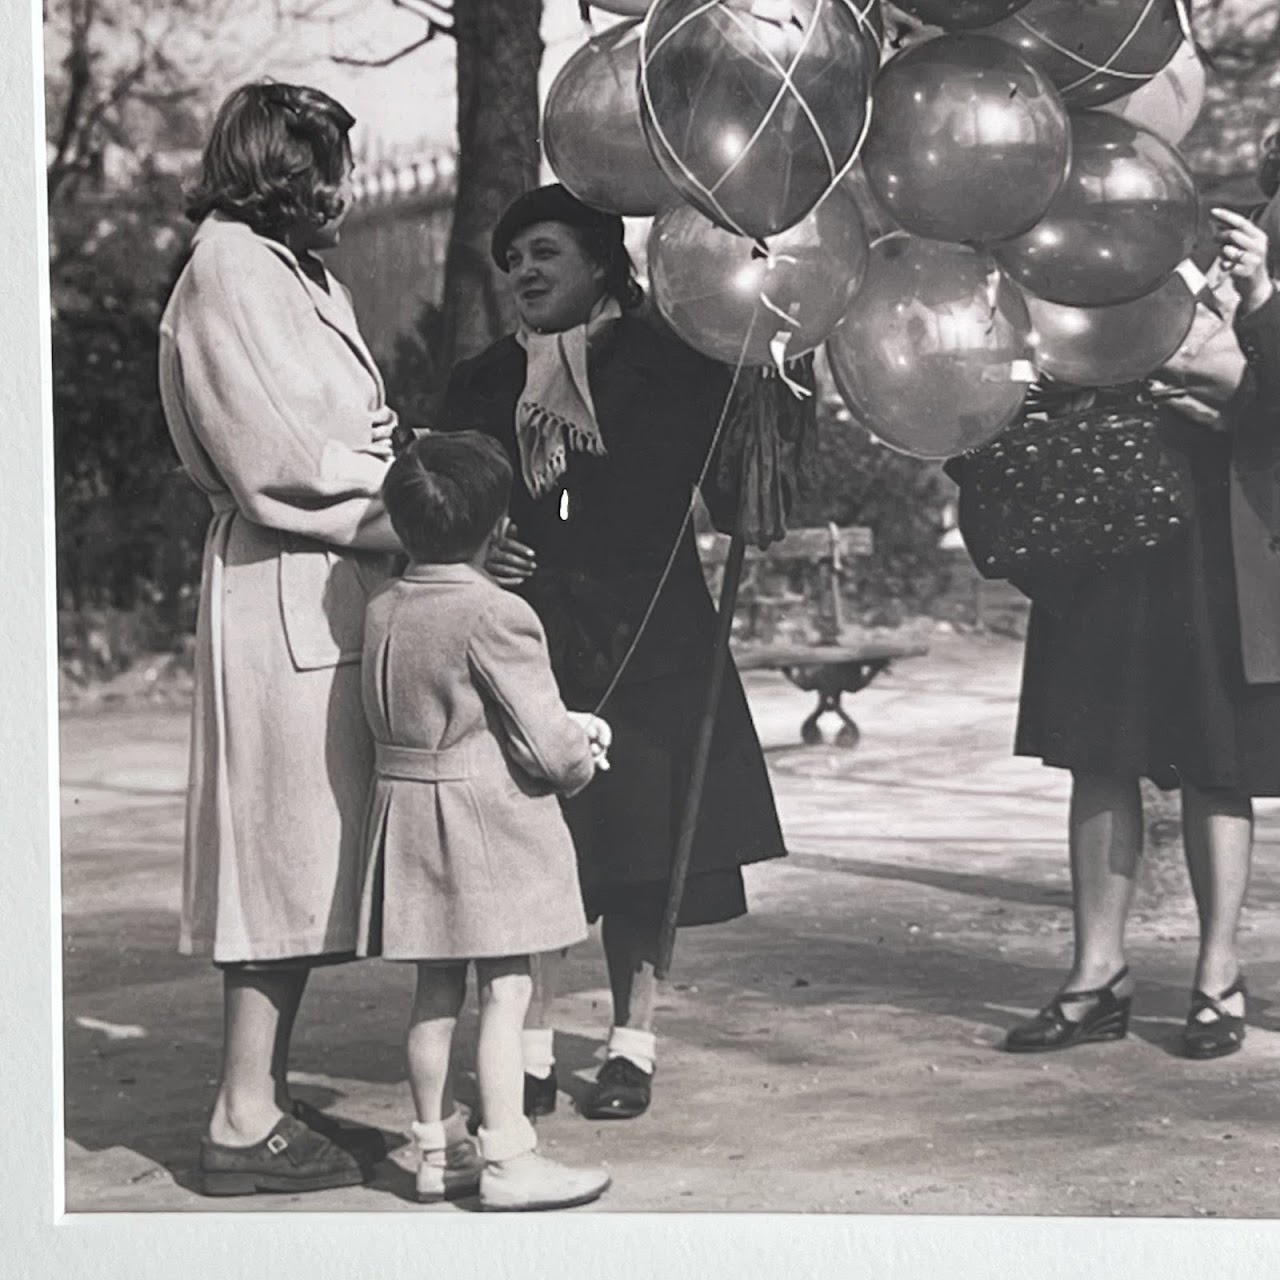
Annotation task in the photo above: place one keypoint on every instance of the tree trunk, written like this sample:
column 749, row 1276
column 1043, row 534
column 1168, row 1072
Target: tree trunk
column 499, row 53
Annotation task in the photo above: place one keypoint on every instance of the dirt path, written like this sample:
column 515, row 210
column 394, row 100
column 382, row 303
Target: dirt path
column 834, row 1051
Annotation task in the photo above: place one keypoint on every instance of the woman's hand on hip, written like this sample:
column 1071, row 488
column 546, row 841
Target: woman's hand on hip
column 509, row 561
column 1243, row 255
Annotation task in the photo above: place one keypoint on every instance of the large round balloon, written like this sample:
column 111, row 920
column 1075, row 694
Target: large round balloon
column 1126, row 216
column 1170, row 102
column 732, row 302
column 968, row 142
column 1095, row 50
column 934, row 356
column 960, row 15
column 754, row 118
column 591, row 128
column 1102, row 346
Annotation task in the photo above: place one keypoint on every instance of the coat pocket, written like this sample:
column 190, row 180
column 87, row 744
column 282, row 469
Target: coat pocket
column 323, row 594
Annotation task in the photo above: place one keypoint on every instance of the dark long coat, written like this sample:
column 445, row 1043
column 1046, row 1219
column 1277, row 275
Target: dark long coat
column 602, row 539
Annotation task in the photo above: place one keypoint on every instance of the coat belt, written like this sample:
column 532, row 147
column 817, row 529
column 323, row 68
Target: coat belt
column 416, row 764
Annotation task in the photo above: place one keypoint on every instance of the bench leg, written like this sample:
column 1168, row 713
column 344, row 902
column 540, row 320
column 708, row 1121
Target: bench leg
column 848, row 735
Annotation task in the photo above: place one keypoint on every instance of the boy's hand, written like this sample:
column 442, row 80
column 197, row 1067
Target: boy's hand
column 599, row 736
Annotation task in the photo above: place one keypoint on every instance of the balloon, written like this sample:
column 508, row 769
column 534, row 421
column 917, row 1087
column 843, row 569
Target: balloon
column 875, row 217
column 1101, row 346
column 968, row 142
column 732, row 302
column 956, row 15
column 1126, row 216
column 754, row 118
column 934, row 356
column 591, row 128
column 1095, row 51
column 1170, row 102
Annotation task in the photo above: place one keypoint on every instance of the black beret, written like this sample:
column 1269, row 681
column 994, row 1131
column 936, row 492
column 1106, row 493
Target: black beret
column 547, row 204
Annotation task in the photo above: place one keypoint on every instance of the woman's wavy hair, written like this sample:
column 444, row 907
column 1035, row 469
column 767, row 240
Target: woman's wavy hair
column 602, row 246
column 445, row 493
column 277, row 157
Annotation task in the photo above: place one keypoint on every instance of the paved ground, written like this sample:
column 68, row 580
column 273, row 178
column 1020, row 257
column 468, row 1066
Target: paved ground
column 834, row 1051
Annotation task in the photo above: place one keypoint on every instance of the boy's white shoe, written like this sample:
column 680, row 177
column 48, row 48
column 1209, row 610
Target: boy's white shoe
column 449, row 1165
column 516, row 1177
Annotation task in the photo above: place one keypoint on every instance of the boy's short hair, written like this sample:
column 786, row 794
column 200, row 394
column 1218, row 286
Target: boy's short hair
column 445, row 493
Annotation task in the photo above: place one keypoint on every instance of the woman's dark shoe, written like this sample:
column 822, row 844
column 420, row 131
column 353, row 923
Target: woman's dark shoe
column 368, row 1145
column 1108, row 1019
column 292, row 1157
column 621, row 1091
column 1219, row 1035
column 539, row 1095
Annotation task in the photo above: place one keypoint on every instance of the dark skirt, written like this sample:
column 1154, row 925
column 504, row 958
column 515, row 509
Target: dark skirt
column 1136, row 671
column 626, row 823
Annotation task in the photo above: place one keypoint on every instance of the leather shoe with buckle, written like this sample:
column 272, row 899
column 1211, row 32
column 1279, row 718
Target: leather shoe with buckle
column 621, row 1091
column 291, row 1158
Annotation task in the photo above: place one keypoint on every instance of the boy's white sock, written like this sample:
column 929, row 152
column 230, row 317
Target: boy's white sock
column 641, row 1047
column 538, row 1050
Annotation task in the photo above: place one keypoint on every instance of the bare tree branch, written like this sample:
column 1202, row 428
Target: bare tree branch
column 429, row 11
column 432, row 31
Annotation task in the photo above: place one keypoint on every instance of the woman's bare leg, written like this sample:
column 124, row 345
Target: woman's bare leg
column 1105, row 834
column 1217, row 834
column 258, row 1012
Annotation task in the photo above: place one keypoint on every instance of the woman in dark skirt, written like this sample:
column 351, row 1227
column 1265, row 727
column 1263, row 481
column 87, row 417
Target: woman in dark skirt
column 1167, row 666
column 608, row 422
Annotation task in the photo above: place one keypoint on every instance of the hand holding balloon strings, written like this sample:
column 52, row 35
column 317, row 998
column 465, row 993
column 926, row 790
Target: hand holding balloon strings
column 1243, row 255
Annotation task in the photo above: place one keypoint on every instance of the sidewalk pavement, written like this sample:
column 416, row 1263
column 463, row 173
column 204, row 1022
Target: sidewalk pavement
column 834, row 1051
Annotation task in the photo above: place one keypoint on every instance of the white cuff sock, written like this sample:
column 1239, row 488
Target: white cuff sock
column 538, row 1050
column 641, row 1047
column 437, row 1135
column 497, row 1145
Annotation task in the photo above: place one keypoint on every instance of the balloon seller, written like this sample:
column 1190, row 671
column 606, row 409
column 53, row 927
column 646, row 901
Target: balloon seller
column 607, row 422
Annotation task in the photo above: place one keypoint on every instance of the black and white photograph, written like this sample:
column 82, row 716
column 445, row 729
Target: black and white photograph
column 661, row 607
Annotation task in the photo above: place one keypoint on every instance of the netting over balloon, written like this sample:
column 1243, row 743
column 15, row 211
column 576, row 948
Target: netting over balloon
column 755, row 108
column 1096, row 52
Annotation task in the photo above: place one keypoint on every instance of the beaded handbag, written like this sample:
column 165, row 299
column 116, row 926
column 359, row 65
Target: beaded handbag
column 1071, row 488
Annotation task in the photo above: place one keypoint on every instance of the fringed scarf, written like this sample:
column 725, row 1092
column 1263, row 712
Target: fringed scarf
column 555, row 412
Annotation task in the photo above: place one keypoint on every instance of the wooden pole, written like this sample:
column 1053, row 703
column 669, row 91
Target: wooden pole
column 701, row 753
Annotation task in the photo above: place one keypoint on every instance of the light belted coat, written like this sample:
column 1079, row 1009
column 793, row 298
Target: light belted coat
column 271, row 397
column 468, row 854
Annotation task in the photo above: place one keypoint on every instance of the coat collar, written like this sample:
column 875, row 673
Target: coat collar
column 332, row 307
column 452, row 574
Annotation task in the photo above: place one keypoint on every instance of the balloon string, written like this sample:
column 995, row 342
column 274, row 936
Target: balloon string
column 685, row 522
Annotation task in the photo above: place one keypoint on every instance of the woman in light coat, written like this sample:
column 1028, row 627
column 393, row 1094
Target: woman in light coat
column 278, row 413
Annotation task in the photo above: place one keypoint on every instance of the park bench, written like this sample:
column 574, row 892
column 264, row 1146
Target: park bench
column 833, row 662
